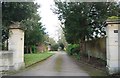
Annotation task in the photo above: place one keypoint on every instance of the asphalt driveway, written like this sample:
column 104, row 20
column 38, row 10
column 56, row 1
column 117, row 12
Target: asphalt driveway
column 59, row 64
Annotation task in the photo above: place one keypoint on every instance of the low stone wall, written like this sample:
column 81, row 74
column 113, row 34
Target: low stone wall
column 96, row 48
column 6, row 60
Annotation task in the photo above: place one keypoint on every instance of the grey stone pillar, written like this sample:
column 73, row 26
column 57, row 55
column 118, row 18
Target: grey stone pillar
column 113, row 45
column 16, row 44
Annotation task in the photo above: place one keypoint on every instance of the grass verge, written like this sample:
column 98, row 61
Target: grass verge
column 31, row 59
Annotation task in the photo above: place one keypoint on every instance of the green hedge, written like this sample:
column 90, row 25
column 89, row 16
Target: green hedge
column 73, row 49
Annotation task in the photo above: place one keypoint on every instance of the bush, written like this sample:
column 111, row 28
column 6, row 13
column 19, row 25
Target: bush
column 73, row 49
column 54, row 47
column 68, row 49
column 34, row 49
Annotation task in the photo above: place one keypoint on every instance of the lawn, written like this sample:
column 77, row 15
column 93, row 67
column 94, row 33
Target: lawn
column 34, row 58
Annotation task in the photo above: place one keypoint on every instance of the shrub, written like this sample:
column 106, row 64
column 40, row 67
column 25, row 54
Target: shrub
column 34, row 49
column 73, row 49
column 68, row 49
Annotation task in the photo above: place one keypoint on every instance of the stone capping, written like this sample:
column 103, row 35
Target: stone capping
column 113, row 21
column 15, row 25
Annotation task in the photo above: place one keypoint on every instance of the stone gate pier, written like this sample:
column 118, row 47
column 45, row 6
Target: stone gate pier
column 13, row 59
column 16, row 44
column 113, row 45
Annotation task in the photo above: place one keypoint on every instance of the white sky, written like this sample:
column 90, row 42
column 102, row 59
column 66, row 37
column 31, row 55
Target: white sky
column 49, row 19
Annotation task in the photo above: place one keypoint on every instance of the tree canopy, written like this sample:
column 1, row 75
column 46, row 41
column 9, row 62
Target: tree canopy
column 17, row 11
column 84, row 19
column 26, row 14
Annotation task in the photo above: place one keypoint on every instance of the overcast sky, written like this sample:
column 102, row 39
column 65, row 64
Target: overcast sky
column 49, row 19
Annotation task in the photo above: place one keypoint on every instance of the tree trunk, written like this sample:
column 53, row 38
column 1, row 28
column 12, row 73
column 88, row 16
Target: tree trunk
column 34, row 49
column 27, row 49
column 7, row 44
column 30, row 50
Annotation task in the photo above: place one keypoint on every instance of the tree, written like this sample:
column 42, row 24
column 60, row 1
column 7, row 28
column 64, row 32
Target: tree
column 49, row 41
column 34, row 33
column 62, row 46
column 95, row 25
column 98, row 16
column 26, row 14
column 54, row 47
column 15, row 12
column 61, row 39
column 78, row 18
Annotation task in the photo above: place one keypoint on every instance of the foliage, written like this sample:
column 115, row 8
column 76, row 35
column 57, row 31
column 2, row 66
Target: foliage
column 34, row 58
column 73, row 49
column 34, row 49
column 51, row 42
column 61, row 39
column 77, row 18
column 17, row 11
column 26, row 14
column 48, row 40
column 54, row 47
column 34, row 32
column 62, row 46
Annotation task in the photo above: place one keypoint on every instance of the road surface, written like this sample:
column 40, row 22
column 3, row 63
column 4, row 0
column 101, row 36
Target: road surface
column 59, row 64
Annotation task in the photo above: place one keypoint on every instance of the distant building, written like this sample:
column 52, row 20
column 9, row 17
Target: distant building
column 41, row 48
